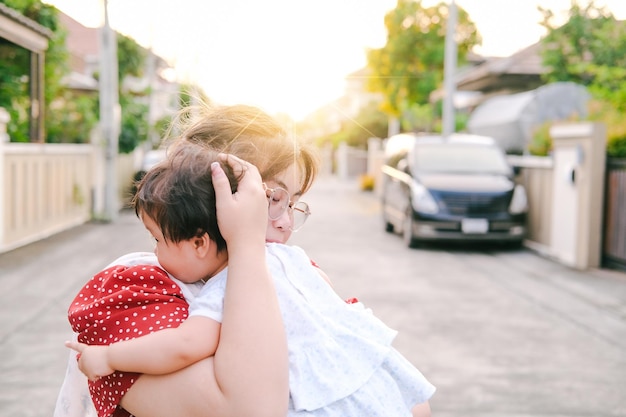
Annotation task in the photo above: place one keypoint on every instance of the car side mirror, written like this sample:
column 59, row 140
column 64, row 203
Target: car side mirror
column 403, row 165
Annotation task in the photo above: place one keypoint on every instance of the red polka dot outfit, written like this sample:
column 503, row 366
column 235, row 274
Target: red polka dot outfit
column 121, row 303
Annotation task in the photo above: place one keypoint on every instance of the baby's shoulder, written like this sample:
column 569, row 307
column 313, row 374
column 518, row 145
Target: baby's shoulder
column 143, row 275
column 281, row 250
column 135, row 258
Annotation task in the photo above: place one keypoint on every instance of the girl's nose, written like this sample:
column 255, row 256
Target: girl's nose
column 283, row 222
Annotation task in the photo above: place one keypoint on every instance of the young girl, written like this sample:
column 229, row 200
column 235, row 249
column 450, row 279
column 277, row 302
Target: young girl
column 341, row 362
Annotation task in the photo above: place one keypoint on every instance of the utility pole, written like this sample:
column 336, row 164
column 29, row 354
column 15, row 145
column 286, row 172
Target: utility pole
column 109, row 115
column 449, row 69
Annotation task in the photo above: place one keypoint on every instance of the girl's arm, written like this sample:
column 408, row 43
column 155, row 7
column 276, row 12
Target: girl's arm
column 248, row 376
column 251, row 360
column 161, row 352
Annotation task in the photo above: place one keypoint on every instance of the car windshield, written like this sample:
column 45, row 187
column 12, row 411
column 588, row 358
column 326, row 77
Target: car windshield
column 460, row 158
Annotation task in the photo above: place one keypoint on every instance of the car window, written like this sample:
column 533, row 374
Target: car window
column 460, row 158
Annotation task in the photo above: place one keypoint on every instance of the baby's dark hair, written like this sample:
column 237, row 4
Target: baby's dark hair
column 178, row 194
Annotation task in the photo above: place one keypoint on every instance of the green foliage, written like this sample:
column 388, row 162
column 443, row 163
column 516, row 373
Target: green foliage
column 410, row 65
column 13, row 76
column 460, row 121
column 590, row 49
column 616, row 147
column 190, row 94
column 131, row 58
column 74, row 118
column 134, row 129
column 161, row 127
column 418, row 118
column 541, row 142
column 576, row 50
column 613, row 119
column 370, row 122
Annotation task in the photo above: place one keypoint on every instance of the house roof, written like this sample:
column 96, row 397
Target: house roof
column 82, row 39
column 518, row 72
column 24, row 21
column 23, row 31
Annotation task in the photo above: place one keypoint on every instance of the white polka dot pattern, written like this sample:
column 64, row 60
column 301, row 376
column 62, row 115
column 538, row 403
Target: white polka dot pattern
column 122, row 303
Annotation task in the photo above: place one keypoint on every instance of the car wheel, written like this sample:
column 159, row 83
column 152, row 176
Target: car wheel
column 388, row 224
column 407, row 229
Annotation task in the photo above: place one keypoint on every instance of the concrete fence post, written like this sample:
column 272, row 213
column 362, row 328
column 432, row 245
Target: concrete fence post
column 4, row 138
column 578, row 185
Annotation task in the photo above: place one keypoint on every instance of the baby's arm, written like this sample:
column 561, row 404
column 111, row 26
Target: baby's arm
column 161, row 352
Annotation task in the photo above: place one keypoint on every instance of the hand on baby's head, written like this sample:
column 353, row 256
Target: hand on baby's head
column 242, row 215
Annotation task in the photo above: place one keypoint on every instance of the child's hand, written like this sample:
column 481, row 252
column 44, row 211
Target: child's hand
column 92, row 360
column 242, row 216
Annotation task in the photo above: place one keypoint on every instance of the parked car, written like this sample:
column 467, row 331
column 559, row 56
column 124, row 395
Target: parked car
column 150, row 159
column 459, row 188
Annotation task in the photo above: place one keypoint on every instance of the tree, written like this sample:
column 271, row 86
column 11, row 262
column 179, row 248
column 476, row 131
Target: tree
column 370, row 122
column 590, row 49
column 134, row 127
column 410, row 65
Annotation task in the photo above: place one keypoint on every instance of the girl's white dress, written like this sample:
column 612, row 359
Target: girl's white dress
column 341, row 362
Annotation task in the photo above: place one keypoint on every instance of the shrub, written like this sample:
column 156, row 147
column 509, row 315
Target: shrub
column 367, row 182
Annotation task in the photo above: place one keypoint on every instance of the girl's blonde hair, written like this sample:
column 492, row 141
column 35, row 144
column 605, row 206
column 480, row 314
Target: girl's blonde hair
column 248, row 133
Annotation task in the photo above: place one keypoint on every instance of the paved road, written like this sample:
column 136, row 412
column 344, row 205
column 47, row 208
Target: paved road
column 500, row 333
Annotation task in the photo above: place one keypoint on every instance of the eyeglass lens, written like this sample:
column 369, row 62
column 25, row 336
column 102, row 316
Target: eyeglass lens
column 299, row 213
column 279, row 202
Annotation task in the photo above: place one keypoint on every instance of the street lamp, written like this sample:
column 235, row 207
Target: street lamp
column 449, row 67
column 109, row 115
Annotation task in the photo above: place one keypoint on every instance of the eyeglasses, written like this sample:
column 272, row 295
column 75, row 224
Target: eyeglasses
column 279, row 201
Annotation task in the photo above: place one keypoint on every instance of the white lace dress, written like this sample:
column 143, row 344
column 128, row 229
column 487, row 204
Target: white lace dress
column 341, row 362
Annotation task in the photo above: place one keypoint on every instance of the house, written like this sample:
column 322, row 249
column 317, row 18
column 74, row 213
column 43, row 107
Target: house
column 513, row 100
column 33, row 37
column 504, row 75
column 82, row 44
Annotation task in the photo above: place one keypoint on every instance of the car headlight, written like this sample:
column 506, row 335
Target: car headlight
column 519, row 202
column 423, row 201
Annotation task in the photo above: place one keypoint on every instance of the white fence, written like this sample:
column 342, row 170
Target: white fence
column 48, row 188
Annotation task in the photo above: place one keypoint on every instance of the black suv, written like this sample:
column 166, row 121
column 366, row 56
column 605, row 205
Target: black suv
column 457, row 188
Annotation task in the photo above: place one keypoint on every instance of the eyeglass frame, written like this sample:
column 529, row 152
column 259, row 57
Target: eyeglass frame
column 269, row 192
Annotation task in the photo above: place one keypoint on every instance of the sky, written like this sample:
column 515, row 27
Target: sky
column 291, row 56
